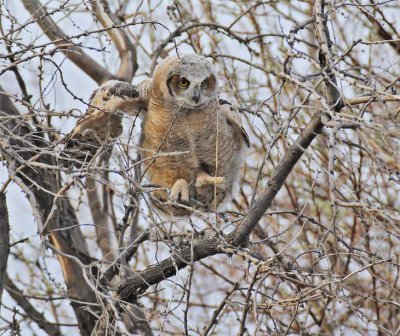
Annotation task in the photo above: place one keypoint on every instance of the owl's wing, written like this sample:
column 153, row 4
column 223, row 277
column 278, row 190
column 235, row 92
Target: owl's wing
column 103, row 118
column 232, row 117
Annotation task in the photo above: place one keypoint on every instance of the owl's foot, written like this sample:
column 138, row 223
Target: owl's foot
column 203, row 179
column 180, row 190
column 210, row 190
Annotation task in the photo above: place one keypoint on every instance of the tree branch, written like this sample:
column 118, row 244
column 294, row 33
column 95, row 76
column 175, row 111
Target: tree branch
column 29, row 309
column 63, row 225
column 88, row 65
column 4, row 241
column 99, row 208
column 129, row 288
column 325, row 55
column 281, row 172
column 395, row 44
column 126, row 49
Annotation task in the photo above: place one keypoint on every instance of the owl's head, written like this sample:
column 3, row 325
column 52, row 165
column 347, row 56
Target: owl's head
column 188, row 82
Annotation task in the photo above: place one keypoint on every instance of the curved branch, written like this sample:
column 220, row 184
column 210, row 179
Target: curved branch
column 126, row 49
column 93, row 69
column 189, row 25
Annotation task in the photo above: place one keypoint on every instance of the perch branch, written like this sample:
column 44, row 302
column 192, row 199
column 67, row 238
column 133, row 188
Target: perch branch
column 130, row 287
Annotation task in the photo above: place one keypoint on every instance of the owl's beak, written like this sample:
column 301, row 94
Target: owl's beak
column 196, row 94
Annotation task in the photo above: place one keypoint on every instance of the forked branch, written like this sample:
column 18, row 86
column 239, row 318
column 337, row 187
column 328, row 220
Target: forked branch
column 129, row 288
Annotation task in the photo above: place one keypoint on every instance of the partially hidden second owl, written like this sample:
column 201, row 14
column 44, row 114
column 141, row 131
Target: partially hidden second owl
column 191, row 142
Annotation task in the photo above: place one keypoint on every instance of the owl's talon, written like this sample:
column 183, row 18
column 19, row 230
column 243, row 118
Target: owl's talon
column 205, row 180
column 180, row 191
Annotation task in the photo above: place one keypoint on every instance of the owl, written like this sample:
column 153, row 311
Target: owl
column 191, row 142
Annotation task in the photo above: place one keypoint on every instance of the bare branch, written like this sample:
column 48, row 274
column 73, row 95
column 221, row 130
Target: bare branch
column 214, row 318
column 4, row 241
column 282, row 171
column 89, row 66
column 63, row 226
column 126, row 49
column 325, row 55
column 23, row 302
column 130, row 288
column 100, row 208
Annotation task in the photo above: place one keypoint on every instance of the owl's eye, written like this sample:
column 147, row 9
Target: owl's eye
column 183, row 83
column 204, row 83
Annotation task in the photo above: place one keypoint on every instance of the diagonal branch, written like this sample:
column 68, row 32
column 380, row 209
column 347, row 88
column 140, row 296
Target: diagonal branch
column 129, row 288
column 281, row 172
column 93, row 69
column 385, row 35
column 294, row 153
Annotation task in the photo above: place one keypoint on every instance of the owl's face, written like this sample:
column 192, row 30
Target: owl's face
column 192, row 92
column 189, row 81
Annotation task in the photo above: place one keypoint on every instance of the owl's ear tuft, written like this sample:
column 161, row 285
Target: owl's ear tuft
column 212, row 83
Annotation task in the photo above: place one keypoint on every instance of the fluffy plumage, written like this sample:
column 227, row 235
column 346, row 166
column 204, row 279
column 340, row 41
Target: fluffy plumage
column 103, row 119
column 191, row 141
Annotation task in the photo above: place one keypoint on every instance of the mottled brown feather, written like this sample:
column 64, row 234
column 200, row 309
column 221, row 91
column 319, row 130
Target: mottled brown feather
column 178, row 142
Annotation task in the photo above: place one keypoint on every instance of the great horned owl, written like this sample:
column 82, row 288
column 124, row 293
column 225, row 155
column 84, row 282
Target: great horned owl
column 191, row 141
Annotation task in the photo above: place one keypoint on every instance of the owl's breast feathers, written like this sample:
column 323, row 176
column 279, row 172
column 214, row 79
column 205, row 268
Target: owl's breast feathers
column 176, row 143
column 169, row 128
column 190, row 137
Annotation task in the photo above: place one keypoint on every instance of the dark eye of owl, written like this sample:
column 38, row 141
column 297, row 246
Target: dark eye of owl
column 183, row 83
column 204, row 83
